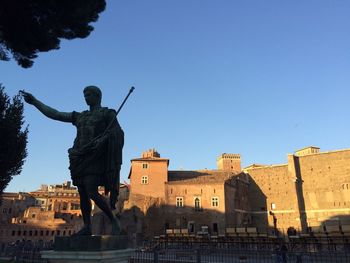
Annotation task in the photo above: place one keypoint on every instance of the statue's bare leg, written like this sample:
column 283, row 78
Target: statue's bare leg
column 102, row 204
column 85, row 206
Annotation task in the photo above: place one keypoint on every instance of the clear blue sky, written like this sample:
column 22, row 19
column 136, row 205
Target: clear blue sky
column 259, row 78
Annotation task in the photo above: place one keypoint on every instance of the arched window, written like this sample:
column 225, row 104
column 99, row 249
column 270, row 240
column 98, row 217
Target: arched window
column 197, row 204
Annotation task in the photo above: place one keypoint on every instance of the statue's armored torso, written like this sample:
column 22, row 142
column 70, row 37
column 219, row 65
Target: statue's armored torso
column 89, row 126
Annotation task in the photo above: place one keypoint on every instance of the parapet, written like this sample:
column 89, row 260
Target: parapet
column 151, row 153
column 229, row 156
column 307, row 151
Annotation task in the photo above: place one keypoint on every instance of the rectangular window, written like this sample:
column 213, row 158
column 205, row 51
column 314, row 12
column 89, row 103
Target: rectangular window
column 197, row 204
column 179, row 201
column 74, row 206
column 215, row 201
column 145, row 165
column 215, row 227
column 144, row 180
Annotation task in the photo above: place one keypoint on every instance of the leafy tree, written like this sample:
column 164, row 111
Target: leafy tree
column 31, row 26
column 13, row 139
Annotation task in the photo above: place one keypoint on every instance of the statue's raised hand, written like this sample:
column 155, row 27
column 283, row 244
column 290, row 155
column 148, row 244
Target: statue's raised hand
column 28, row 97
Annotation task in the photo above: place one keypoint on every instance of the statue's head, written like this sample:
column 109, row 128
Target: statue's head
column 93, row 95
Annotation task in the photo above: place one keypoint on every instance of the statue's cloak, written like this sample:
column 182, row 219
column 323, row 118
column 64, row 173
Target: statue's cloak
column 98, row 158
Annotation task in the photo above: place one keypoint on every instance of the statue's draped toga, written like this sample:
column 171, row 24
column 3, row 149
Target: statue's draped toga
column 96, row 155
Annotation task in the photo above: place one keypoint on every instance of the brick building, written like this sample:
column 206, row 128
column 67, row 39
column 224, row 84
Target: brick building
column 311, row 190
column 163, row 199
column 40, row 215
column 47, row 212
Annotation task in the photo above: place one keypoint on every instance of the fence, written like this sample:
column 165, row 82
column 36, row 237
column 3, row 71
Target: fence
column 171, row 250
column 228, row 256
column 249, row 243
column 25, row 251
column 210, row 250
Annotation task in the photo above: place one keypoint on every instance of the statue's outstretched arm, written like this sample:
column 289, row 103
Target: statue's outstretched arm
column 46, row 110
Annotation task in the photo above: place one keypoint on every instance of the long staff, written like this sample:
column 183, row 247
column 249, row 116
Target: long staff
column 127, row 96
column 121, row 106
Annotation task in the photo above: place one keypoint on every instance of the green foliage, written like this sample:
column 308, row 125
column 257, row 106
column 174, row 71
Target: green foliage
column 13, row 139
column 31, row 26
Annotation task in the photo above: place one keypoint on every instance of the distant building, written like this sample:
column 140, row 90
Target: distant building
column 52, row 210
column 311, row 190
column 40, row 215
column 229, row 162
column 187, row 199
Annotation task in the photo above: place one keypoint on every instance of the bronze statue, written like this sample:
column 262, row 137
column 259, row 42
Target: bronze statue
column 96, row 156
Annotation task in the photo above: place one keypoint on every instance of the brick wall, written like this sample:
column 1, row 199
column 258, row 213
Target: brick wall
column 309, row 190
column 156, row 173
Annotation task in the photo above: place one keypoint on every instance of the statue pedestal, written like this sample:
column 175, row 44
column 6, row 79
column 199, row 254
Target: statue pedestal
column 89, row 249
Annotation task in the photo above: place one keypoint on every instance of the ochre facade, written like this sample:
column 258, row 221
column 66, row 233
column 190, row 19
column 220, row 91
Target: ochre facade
column 311, row 190
column 162, row 199
column 40, row 215
column 50, row 211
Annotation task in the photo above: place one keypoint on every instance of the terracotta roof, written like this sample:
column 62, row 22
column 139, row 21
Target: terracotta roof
column 9, row 195
column 200, row 176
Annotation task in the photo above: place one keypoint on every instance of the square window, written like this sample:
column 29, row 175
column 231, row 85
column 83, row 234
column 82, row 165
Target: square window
column 215, row 201
column 273, row 206
column 145, row 165
column 179, row 201
column 144, row 180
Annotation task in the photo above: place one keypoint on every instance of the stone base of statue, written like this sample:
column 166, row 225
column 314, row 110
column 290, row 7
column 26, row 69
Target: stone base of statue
column 91, row 243
column 89, row 249
column 100, row 224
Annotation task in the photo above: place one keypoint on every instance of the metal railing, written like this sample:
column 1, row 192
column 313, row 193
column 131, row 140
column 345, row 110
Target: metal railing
column 228, row 256
column 25, row 251
column 305, row 244
column 247, row 249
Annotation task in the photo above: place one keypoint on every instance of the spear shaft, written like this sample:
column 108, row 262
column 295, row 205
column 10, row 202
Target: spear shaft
column 127, row 96
column 121, row 106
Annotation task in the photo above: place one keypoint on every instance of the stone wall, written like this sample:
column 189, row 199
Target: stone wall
column 309, row 190
column 326, row 187
column 210, row 211
column 156, row 172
